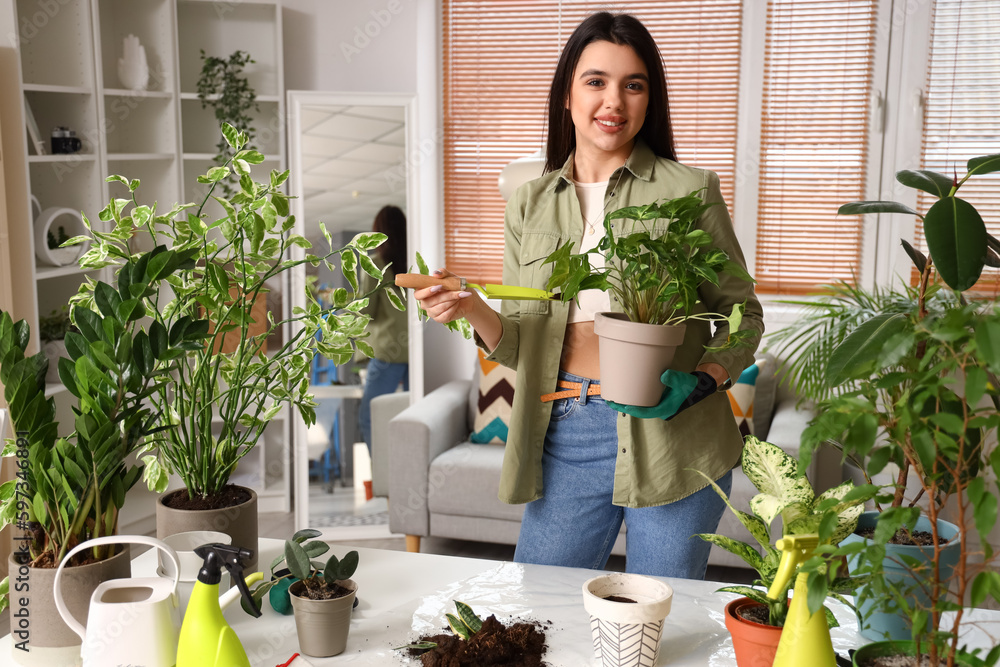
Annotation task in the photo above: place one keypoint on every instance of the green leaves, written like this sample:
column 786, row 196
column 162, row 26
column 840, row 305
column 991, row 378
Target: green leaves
column 956, row 237
column 863, row 347
column 936, row 184
column 867, row 207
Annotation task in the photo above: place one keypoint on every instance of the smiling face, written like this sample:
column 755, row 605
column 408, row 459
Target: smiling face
column 608, row 98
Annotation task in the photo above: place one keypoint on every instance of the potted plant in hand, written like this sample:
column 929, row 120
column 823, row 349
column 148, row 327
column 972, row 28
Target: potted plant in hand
column 916, row 386
column 653, row 267
column 322, row 600
column 70, row 489
column 755, row 620
column 220, row 398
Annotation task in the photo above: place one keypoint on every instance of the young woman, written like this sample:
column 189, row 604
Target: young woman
column 582, row 466
column 389, row 338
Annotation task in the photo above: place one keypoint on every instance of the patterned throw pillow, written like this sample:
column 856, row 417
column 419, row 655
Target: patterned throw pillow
column 741, row 397
column 496, row 396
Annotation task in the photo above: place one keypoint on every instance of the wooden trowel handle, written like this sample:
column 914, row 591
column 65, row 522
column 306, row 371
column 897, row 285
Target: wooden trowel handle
column 418, row 281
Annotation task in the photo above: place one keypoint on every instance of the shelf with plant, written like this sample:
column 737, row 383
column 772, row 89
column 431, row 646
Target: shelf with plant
column 908, row 377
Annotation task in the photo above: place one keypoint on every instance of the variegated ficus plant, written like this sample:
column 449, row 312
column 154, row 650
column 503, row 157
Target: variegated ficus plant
column 785, row 492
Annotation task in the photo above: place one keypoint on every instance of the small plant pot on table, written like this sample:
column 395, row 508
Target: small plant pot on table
column 322, row 626
column 627, row 612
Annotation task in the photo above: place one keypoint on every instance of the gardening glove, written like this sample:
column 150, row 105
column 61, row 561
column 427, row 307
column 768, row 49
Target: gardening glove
column 682, row 391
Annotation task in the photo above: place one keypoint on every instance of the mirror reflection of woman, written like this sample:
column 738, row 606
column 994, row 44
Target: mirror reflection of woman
column 389, row 338
column 581, row 466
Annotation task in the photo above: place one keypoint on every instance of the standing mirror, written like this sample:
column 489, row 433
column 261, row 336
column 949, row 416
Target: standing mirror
column 347, row 157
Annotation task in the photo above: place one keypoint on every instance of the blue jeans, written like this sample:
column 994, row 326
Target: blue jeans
column 575, row 524
column 383, row 378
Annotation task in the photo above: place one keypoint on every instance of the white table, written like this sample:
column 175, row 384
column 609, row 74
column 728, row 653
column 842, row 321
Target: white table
column 403, row 596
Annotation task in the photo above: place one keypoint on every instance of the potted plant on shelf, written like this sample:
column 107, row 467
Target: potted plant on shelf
column 221, row 397
column 71, row 489
column 653, row 267
column 223, row 87
column 915, row 386
column 755, row 620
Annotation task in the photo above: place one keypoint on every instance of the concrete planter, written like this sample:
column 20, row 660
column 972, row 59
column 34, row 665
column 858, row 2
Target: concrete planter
column 239, row 522
column 39, row 636
column 322, row 626
column 633, row 357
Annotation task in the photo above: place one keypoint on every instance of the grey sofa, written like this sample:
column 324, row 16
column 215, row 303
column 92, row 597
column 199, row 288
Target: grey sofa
column 442, row 485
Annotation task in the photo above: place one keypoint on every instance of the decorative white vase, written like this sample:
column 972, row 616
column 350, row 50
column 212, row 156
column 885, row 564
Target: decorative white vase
column 52, row 219
column 133, row 70
column 626, row 634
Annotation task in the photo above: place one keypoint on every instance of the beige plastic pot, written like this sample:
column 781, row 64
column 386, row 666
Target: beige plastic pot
column 322, row 626
column 239, row 522
column 38, row 633
column 634, row 356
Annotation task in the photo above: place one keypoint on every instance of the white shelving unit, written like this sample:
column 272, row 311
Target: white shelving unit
column 162, row 136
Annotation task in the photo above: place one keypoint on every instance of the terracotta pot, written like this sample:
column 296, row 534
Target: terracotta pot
column 38, row 634
column 633, row 357
column 239, row 522
column 754, row 643
column 322, row 626
column 877, row 623
column 903, row 648
column 626, row 634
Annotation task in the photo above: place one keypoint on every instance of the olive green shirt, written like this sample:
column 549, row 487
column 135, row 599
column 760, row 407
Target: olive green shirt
column 389, row 336
column 656, row 459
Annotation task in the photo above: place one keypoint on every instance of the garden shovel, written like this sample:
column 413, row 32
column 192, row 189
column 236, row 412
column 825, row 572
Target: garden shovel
column 457, row 284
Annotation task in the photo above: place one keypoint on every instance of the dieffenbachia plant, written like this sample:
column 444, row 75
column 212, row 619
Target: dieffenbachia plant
column 785, row 492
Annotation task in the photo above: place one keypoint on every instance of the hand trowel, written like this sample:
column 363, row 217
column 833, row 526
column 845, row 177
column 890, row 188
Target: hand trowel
column 457, row 284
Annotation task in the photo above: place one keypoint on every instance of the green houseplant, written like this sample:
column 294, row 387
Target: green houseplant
column 219, row 399
column 916, row 386
column 653, row 264
column 52, row 331
column 322, row 599
column 70, row 489
column 785, row 492
column 223, row 87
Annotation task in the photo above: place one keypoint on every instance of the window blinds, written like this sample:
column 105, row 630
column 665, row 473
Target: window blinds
column 498, row 60
column 960, row 109
column 819, row 58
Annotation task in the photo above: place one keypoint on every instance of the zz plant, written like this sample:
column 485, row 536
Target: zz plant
column 654, row 275
column 218, row 400
column 785, row 492
column 70, row 488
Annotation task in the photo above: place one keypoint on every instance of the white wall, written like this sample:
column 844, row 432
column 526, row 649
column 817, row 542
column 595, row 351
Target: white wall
column 350, row 45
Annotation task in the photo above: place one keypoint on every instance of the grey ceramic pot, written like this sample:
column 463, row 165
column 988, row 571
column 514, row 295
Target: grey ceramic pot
column 633, row 357
column 322, row 625
column 239, row 522
column 35, row 623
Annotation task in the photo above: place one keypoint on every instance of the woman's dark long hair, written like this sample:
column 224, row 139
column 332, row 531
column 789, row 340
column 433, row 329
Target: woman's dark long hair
column 391, row 221
column 623, row 30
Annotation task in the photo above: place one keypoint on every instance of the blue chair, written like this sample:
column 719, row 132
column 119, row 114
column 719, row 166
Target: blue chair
column 326, row 466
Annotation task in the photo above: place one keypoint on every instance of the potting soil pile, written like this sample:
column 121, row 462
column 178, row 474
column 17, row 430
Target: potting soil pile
column 494, row 645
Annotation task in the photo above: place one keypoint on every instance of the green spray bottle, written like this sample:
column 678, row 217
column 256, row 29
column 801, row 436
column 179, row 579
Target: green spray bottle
column 805, row 638
column 206, row 640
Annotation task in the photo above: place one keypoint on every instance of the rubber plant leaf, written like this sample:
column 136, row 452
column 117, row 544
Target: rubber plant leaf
column 936, row 184
column 956, row 238
column 865, row 207
column 918, row 258
column 985, row 164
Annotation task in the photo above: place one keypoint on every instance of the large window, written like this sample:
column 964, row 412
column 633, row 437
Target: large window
column 799, row 105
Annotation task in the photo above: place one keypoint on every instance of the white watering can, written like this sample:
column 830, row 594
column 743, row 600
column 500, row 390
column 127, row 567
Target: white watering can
column 132, row 621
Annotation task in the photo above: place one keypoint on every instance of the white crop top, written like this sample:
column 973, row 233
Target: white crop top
column 591, row 196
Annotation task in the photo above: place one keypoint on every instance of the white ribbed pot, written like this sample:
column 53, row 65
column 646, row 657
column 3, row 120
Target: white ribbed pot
column 634, row 356
column 626, row 634
column 51, row 219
